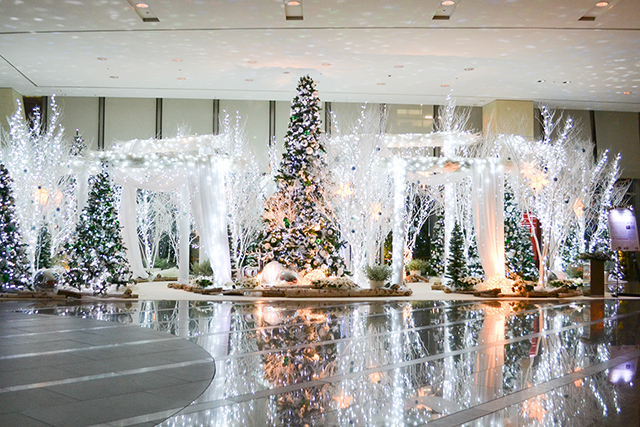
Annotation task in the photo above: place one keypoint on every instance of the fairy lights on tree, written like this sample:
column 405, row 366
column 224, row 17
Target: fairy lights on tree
column 37, row 155
column 96, row 254
column 300, row 228
column 359, row 206
column 14, row 263
column 555, row 175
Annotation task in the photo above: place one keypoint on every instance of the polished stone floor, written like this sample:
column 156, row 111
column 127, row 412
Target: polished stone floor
column 384, row 363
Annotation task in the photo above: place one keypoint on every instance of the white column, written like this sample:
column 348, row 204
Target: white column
column 399, row 182
column 184, row 230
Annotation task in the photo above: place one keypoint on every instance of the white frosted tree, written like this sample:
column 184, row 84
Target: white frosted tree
column 246, row 191
column 555, row 176
column 37, row 154
column 363, row 188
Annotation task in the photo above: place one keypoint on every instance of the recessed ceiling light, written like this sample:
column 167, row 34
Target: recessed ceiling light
column 602, row 4
column 286, row 72
column 113, row 77
column 248, row 80
column 626, row 93
column 444, row 85
column 177, row 60
column 142, row 5
column 182, row 78
column 566, row 82
column 326, row 64
column 541, row 81
column 102, row 58
column 252, row 61
column 468, row 69
column 381, row 84
column 293, row 3
column 448, row 3
column 398, row 66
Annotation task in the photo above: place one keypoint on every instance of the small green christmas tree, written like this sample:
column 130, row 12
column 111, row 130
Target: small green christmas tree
column 457, row 265
column 96, row 253
column 300, row 232
column 517, row 241
column 436, row 259
column 43, row 249
column 14, row 262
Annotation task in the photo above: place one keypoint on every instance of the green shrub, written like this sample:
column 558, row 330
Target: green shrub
column 418, row 264
column 377, row 273
column 202, row 269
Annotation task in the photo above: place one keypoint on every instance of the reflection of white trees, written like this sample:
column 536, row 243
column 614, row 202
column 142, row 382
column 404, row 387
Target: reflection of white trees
column 463, row 361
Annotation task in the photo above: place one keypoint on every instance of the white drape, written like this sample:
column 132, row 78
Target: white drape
column 206, row 185
column 201, row 183
column 488, row 208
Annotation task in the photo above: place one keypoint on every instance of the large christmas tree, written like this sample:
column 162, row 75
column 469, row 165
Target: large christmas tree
column 14, row 263
column 300, row 232
column 96, row 253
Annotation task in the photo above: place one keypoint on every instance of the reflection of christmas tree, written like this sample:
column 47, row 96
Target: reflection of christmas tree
column 96, row 252
column 517, row 241
column 456, row 264
column 299, row 363
column 14, row 263
column 300, row 233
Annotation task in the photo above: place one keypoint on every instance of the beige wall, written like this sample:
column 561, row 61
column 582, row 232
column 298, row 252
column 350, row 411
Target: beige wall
column 82, row 114
column 619, row 132
column 8, row 105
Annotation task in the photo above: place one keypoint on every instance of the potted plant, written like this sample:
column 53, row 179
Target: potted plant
column 417, row 266
column 377, row 275
column 597, row 260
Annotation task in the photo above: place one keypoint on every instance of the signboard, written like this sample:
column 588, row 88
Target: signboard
column 623, row 230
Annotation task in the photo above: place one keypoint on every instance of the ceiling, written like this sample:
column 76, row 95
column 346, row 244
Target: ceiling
column 357, row 50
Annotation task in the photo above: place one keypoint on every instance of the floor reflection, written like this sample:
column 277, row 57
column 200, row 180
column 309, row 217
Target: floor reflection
column 401, row 363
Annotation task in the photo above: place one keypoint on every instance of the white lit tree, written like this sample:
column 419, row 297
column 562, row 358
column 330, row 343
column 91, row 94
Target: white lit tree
column 554, row 174
column 360, row 207
column 37, row 155
column 300, row 228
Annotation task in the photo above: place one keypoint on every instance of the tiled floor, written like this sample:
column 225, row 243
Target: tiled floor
column 65, row 370
column 288, row 363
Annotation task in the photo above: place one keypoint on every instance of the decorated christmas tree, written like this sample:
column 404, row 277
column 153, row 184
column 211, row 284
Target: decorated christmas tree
column 456, row 264
column 43, row 250
column 436, row 259
column 300, row 232
column 96, row 253
column 517, row 241
column 14, row 263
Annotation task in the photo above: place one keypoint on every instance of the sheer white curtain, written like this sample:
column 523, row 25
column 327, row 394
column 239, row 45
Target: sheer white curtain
column 201, row 185
column 488, row 208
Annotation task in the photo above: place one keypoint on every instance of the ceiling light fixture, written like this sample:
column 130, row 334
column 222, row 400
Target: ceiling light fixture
column 596, row 11
column 182, row 78
column 113, row 77
column 177, row 60
column 398, row 66
column 102, row 58
column 381, row 84
column 445, row 10
column 444, row 85
column 144, row 11
column 248, row 80
column 541, row 81
column 293, row 10
column 626, row 93
column 468, row 69
column 252, row 61
column 326, row 64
